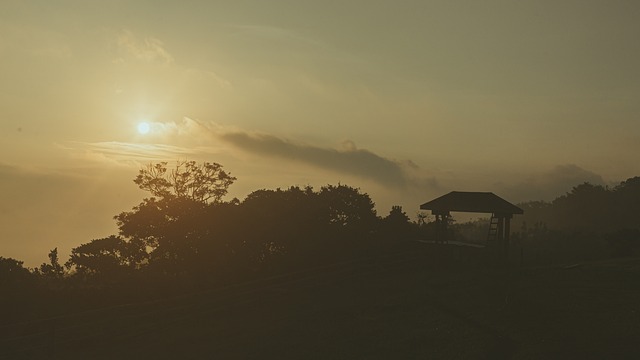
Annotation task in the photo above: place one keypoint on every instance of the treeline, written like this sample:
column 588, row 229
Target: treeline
column 185, row 236
column 186, row 233
column 590, row 208
column 589, row 222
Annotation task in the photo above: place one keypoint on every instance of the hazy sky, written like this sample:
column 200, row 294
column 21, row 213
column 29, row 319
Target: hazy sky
column 406, row 100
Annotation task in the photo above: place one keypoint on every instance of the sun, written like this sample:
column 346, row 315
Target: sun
column 144, row 128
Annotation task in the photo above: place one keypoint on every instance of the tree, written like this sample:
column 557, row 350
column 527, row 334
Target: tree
column 300, row 225
column 53, row 268
column 173, row 222
column 396, row 215
column 12, row 273
column 626, row 199
column 19, row 290
column 582, row 208
column 109, row 255
column 278, row 222
column 347, row 208
column 397, row 223
column 623, row 242
column 203, row 183
column 423, row 218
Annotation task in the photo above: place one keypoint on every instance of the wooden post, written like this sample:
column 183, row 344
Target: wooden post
column 500, row 234
column 441, row 226
column 507, row 236
column 500, row 238
column 437, row 228
column 445, row 227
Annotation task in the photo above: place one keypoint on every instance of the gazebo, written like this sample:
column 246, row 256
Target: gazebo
column 477, row 202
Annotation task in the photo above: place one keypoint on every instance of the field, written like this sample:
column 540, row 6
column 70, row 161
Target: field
column 415, row 302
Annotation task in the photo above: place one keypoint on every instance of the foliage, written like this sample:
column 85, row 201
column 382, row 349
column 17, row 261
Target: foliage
column 589, row 208
column 185, row 237
column 168, row 228
column 346, row 209
column 397, row 224
column 203, row 183
column 279, row 221
column 623, row 242
column 299, row 223
column 186, row 229
column 582, row 223
column 109, row 255
column 53, row 268
column 12, row 273
column 171, row 223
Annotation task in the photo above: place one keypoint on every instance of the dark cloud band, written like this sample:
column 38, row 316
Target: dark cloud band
column 357, row 162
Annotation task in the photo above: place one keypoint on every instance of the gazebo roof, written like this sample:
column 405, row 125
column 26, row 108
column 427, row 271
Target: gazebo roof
column 464, row 201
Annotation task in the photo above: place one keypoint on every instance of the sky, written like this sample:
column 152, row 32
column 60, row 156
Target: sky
column 406, row 100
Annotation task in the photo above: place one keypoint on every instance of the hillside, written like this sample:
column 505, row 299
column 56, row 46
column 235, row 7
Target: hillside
column 420, row 301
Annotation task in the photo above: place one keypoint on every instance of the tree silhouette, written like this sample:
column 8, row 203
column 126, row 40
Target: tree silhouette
column 347, row 208
column 173, row 222
column 280, row 223
column 582, row 223
column 12, row 273
column 397, row 224
column 626, row 197
column 107, row 256
column 203, row 183
column 53, row 268
column 623, row 242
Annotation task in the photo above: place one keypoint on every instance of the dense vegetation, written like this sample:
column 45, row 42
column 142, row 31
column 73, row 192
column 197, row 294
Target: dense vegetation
column 288, row 259
column 185, row 236
column 589, row 222
column 186, row 233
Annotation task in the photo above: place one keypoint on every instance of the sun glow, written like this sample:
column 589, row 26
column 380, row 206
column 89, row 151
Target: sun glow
column 144, row 128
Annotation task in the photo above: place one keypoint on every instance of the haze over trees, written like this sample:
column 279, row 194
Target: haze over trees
column 186, row 229
column 185, row 238
column 588, row 222
column 590, row 208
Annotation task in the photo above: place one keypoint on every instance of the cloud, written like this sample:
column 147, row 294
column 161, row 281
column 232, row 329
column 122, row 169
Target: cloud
column 551, row 184
column 348, row 160
column 139, row 151
column 571, row 174
column 166, row 141
column 131, row 153
column 147, row 49
column 191, row 138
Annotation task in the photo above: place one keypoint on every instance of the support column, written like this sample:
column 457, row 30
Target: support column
column 441, row 227
column 507, row 236
column 500, row 238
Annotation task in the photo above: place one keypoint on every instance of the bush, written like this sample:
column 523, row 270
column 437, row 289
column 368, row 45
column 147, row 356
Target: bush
column 623, row 242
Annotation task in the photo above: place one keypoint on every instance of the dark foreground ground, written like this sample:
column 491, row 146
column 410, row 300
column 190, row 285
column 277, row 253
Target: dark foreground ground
column 421, row 302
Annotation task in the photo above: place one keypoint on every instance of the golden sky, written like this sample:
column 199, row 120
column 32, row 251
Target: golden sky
column 404, row 99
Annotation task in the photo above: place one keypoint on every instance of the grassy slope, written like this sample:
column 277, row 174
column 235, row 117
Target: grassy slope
column 422, row 302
